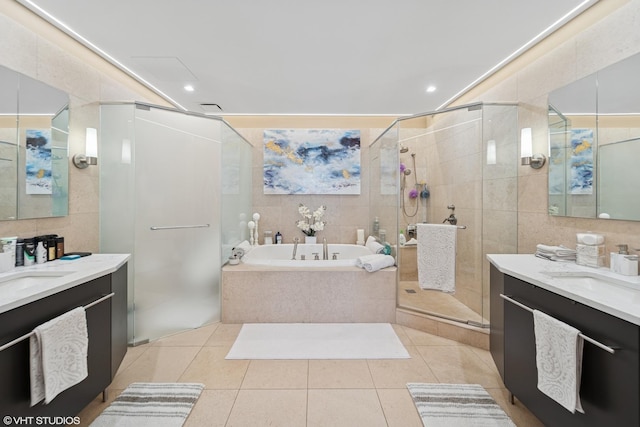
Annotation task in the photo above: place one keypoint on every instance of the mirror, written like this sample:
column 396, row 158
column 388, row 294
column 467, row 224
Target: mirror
column 594, row 142
column 34, row 130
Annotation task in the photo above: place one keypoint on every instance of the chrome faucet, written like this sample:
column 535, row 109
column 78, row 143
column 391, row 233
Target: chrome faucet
column 325, row 248
column 295, row 247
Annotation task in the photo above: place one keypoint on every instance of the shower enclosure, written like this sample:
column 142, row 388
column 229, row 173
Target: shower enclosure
column 457, row 165
column 175, row 189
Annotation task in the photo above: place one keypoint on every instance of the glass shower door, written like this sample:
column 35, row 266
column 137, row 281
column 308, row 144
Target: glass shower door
column 176, row 231
column 160, row 202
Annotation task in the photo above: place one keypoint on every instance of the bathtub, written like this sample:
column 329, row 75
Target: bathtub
column 281, row 255
column 268, row 286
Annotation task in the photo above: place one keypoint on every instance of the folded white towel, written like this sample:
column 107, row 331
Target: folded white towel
column 411, row 242
column 559, row 360
column 58, row 355
column 375, row 262
column 374, row 246
column 555, row 253
column 437, row 257
column 244, row 245
column 556, row 250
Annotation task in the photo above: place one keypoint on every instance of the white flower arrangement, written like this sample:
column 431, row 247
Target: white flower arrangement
column 311, row 221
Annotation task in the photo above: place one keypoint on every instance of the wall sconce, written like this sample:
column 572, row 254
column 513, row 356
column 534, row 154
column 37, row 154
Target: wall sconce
column 491, row 152
column 537, row 160
column 90, row 157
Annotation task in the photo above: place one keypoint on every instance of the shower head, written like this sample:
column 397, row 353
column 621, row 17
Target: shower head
column 403, row 149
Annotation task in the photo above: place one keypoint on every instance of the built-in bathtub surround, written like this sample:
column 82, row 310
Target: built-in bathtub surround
column 260, row 294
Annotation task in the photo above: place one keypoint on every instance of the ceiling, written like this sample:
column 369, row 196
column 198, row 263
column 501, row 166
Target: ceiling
column 308, row 57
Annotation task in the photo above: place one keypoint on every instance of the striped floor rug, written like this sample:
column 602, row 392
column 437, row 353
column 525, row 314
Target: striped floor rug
column 151, row 404
column 457, row 405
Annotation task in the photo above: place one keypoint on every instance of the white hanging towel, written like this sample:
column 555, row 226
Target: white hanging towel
column 437, row 257
column 58, row 355
column 559, row 360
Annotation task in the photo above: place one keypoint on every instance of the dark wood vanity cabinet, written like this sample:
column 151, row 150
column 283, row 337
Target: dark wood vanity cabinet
column 107, row 331
column 610, row 385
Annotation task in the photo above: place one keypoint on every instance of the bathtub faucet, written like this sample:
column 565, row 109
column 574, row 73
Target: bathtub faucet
column 325, row 248
column 295, row 248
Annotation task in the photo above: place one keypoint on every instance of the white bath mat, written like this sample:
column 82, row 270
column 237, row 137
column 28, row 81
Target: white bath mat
column 317, row 341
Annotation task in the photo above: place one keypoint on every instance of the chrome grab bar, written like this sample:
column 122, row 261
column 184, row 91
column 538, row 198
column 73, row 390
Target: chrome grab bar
column 584, row 337
column 173, row 227
column 25, row 336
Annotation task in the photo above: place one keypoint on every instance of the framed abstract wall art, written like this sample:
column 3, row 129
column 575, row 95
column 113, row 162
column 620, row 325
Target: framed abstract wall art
column 311, row 161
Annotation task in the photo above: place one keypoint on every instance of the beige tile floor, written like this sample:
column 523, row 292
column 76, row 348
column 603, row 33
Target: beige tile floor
column 322, row 393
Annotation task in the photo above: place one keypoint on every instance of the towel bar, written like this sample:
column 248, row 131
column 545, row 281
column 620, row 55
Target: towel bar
column 174, row 227
column 25, row 336
column 584, row 337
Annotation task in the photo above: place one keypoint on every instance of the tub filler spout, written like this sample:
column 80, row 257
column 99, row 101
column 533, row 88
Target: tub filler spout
column 325, row 249
column 295, row 248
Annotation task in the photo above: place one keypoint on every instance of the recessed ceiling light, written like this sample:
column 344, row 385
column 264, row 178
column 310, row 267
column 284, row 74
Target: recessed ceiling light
column 189, row 88
column 431, row 89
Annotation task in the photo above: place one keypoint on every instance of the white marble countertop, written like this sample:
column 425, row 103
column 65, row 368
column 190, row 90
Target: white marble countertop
column 598, row 288
column 23, row 285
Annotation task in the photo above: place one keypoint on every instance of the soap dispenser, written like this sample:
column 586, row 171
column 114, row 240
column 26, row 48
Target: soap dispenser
column 629, row 265
column 623, row 263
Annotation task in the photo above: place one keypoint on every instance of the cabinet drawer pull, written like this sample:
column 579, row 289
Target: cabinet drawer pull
column 584, row 337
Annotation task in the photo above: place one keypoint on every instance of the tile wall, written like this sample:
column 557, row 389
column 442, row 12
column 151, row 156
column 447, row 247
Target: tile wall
column 607, row 33
column 32, row 47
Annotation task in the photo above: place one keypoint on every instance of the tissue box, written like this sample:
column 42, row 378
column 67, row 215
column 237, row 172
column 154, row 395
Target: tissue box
column 589, row 239
column 590, row 250
column 590, row 260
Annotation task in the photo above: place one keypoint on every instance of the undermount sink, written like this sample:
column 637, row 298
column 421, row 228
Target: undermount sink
column 26, row 279
column 589, row 279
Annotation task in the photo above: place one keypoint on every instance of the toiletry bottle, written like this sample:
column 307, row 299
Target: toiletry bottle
column 401, row 239
column 278, row 238
column 29, row 252
column 20, row 253
column 59, row 247
column 376, row 227
column 268, row 240
column 41, row 253
column 51, row 248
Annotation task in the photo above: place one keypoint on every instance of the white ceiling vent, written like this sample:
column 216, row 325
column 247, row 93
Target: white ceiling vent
column 210, row 107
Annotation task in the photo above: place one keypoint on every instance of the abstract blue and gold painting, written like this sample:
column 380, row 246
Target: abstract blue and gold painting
column 311, row 161
column 38, row 161
column 581, row 161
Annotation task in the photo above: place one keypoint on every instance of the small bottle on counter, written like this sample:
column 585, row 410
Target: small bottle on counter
column 278, row 238
column 29, row 252
column 268, row 240
column 20, row 253
column 41, row 253
column 59, row 247
column 51, row 248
